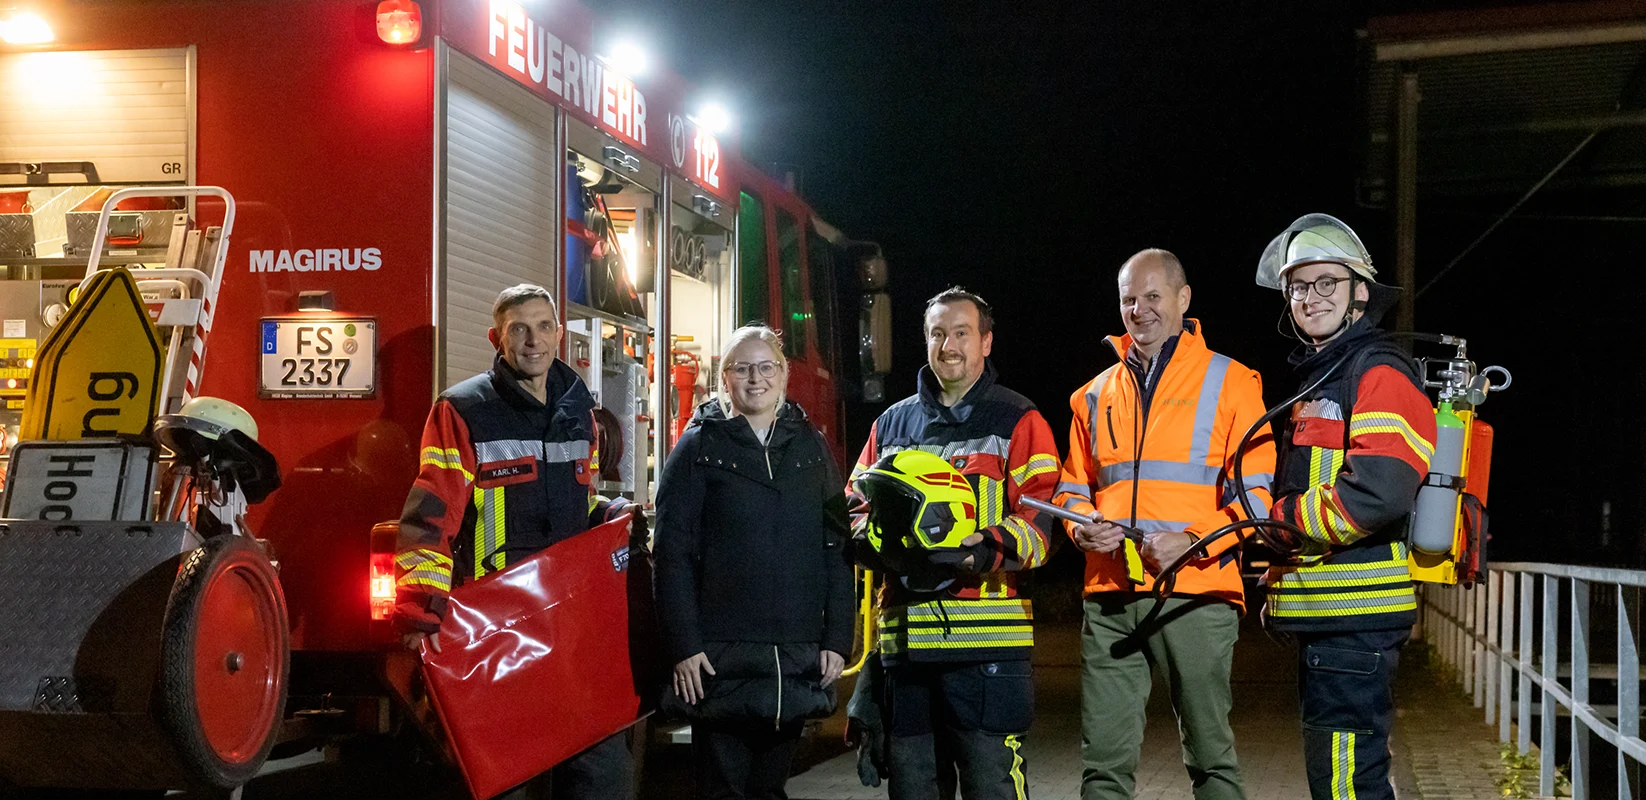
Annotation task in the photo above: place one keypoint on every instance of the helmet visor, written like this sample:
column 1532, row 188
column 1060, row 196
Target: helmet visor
column 1313, row 239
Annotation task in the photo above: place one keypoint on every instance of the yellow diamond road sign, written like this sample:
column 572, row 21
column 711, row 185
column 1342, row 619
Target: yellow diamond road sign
column 98, row 373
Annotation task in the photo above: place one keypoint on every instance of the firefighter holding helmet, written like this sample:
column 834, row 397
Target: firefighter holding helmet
column 515, row 445
column 936, row 497
column 1352, row 454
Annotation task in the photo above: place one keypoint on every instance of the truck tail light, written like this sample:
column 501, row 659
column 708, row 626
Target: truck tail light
column 382, row 585
column 399, row 21
column 384, row 536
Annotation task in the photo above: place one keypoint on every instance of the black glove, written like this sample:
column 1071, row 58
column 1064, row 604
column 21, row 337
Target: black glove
column 953, row 561
column 639, row 525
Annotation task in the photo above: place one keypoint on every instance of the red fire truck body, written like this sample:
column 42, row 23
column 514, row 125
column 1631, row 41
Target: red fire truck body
column 395, row 188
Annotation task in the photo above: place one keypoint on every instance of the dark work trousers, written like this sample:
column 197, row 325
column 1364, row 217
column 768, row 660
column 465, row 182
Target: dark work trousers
column 968, row 716
column 737, row 760
column 605, row 771
column 1345, row 689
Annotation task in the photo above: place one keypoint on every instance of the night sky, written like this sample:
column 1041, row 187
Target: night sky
column 1025, row 150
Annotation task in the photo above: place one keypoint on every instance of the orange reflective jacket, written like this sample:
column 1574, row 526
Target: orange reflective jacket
column 1180, row 450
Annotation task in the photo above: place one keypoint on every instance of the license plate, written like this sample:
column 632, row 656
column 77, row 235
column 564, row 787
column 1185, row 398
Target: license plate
column 325, row 358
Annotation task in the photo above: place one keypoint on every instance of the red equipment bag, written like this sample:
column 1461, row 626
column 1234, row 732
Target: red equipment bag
column 546, row 658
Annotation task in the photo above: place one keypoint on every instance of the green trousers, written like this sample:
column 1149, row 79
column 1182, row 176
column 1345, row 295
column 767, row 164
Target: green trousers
column 1192, row 643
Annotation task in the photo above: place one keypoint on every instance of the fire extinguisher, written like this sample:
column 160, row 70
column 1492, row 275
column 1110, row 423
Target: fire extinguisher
column 683, row 371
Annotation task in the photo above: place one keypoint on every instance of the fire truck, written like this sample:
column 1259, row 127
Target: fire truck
column 393, row 165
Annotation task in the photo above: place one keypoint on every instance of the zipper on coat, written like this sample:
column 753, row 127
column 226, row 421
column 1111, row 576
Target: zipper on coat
column 777, row 721
column 1140, row 431
column 766, row 449
column 1108, row 414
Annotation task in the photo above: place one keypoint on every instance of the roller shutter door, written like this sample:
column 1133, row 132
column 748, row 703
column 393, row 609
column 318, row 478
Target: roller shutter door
column 128, row 112
column 500, row 205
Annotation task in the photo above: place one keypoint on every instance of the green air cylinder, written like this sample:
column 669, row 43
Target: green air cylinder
column 1434, row 520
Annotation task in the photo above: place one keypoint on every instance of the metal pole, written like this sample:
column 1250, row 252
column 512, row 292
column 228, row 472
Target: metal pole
column 1406, row 201
column 1488, row 660
column 1628, row 689
column 1505, row 644
column 1478, row 644
column 1580, row 688
column 1551, row 673
column 1523, row 708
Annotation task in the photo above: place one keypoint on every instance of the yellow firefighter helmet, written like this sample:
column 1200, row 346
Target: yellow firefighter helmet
column 917, row 500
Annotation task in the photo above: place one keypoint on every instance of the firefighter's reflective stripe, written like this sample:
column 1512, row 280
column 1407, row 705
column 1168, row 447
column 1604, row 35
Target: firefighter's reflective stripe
column 956, row 623
column 1366, row 422
column 1324, row 462
column 1322, row 520
column 1343, row 604
column 991, row 501
column 1029, row 549
column 1038, row 465
column 1343, row 765
column 1020, row 783
column 551, row 452
column 990, row 445
column 1176, row 472
column 1318, row 590
column 489, row 530
column 425, row 567
column 445, row 458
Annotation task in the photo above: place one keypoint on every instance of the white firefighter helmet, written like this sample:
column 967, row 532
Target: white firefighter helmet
column 1313, row 239
column 219, row 415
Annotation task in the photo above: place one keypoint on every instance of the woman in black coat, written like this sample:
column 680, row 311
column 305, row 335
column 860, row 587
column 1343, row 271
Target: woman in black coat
column 754, row 589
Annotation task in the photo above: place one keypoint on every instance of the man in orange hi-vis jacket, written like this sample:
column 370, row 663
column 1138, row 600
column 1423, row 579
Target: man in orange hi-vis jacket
column 508, row 466
column 1152, row 448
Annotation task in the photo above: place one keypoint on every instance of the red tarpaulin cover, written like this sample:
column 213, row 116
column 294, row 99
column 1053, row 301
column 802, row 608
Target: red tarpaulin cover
column 540, row 661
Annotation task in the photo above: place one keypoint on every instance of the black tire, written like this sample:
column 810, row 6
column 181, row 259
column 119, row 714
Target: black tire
column 223, row 676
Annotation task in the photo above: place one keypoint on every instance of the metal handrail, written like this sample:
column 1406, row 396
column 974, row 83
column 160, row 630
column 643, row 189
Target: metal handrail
column 865, row 619
column 1486, row 635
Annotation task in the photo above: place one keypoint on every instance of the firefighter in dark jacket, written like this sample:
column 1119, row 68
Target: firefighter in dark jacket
column 507, row 468
column 1352, row 455
column 960, row 694
column 754, row 587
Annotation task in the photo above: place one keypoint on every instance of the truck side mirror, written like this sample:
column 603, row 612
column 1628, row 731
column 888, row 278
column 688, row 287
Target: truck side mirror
column 875, row 344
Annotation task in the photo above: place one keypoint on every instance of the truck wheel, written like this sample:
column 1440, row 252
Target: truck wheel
column 225, row 658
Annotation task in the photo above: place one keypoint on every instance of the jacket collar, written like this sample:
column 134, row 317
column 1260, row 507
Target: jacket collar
column 931, row 390
column 1191, row 340
column 566, row 396
column 791, row 420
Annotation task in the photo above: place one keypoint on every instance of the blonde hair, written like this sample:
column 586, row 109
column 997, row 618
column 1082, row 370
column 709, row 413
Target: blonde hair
column 739, row 337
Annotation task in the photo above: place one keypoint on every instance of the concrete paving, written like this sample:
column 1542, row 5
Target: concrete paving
column 1443, row 750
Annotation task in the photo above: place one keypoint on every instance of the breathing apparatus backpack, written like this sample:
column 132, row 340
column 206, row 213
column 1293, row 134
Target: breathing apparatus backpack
column 919, row 504
column 1448, row 529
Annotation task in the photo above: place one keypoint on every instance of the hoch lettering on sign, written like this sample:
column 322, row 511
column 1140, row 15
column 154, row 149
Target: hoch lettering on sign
column 61, row 486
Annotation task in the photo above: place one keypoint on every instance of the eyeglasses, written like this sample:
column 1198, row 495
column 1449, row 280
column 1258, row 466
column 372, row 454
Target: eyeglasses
column 742, row 369
column 1324, row 286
